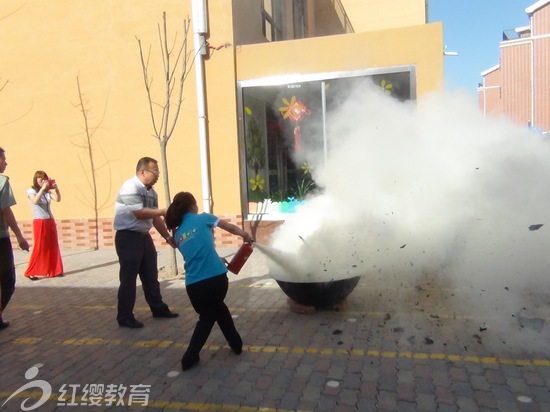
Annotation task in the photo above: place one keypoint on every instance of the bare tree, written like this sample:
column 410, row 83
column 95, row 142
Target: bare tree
column 3, row 85
column 176, row 62
column 91, row 146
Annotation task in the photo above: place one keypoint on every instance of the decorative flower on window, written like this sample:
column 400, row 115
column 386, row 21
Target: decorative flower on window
column 387, row 87
column 257, row 183
column 294, row 110
column 306, row 168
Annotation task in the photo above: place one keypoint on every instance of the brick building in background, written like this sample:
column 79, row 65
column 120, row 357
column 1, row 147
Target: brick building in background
column 519, row 87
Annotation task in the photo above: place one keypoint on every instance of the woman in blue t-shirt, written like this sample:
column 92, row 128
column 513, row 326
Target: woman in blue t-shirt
column 205, row 273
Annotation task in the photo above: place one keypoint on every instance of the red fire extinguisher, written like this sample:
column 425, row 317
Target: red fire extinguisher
column 240, row 258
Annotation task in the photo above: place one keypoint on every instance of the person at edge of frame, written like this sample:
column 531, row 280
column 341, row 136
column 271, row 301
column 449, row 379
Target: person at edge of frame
column 7, row 221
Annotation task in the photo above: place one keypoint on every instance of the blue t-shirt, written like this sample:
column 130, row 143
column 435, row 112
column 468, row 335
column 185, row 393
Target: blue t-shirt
column 195, row 241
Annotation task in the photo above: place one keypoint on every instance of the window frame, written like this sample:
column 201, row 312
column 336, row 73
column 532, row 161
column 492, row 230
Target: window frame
column 283, row 80
column 299, row 19
column 275, row 19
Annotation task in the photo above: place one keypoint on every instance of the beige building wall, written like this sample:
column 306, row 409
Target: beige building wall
column 419, row 45
column 368, row 15
column 323, row 17
column 47, row 46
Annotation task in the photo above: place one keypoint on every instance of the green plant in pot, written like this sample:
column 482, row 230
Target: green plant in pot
column 277, row 198
column 303, row 186
column 305, row 183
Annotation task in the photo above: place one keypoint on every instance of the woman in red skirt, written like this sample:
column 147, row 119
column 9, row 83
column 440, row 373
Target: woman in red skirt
column 45, row 260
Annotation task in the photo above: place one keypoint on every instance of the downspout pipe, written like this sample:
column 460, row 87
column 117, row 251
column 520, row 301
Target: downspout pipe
column 200, row 28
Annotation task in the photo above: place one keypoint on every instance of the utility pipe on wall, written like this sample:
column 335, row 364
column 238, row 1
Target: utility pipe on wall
column 200, row 28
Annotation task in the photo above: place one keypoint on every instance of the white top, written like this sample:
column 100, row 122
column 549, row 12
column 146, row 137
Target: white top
column 41, row 210
column 134, row 195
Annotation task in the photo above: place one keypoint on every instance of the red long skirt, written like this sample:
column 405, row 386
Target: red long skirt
column 45, row 260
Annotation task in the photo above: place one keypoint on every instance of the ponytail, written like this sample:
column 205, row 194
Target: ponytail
column 182, row 204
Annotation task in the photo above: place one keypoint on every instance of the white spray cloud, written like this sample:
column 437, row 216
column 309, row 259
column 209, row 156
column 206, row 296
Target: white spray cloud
column 419, row 185
column 427, row 187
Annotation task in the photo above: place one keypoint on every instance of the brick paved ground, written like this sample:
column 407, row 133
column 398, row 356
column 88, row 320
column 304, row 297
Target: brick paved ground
column 393, row 345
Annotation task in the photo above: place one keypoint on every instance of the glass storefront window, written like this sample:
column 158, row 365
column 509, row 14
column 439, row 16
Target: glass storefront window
column 282, row 120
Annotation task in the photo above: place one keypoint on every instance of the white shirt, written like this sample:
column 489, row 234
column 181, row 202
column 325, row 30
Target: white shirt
column 134, row 195
column 40, row 210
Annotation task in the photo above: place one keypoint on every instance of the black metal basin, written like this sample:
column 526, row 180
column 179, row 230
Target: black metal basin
column 322, row 295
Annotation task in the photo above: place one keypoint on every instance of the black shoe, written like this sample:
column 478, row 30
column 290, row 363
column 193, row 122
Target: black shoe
column 130, row 323
column 237, row 346
column 187, row 362
column 166, row 314
column 33, row 278
column 4, row 325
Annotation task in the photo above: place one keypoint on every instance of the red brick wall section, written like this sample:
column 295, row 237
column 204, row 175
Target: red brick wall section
column 81, row 234
column 226, row 239
column 263, row 230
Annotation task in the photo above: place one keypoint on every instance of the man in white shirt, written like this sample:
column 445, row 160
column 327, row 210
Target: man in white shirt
column 136, row 212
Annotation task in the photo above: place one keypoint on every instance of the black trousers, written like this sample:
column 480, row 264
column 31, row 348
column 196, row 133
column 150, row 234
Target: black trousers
column 137, row 256
column 7, row 271
column 207, row 299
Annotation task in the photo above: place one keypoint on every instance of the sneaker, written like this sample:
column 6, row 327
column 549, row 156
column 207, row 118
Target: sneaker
column 3, row 324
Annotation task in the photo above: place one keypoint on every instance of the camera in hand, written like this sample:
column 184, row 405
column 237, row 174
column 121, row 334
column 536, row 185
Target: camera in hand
column 51, row 182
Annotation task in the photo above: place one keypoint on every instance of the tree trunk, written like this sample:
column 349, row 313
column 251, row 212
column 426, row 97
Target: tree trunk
column 167, row 198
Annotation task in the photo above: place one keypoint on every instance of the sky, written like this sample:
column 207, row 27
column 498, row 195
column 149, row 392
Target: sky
column 473, row 29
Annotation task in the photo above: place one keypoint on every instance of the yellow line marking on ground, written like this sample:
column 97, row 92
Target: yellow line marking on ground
column 371, row 353
column 27, row 341
column 166, row 405
column 374, row 314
